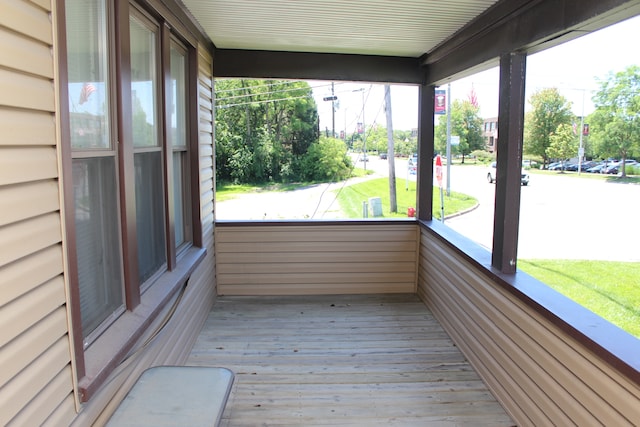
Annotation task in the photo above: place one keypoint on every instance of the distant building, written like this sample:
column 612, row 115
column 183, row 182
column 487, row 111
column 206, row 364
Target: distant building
column 490, row 134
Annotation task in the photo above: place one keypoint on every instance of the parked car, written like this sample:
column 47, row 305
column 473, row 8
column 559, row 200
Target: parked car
column 383, row 156
column 492, row 175
column 615, row 167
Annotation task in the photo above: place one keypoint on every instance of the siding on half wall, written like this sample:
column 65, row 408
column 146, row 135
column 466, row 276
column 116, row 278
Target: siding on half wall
column 36, row 381
column 540, row 374
column 318, row 258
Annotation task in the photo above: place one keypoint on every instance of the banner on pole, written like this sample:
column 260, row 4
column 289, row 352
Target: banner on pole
column 439, row 170
column 440, row 106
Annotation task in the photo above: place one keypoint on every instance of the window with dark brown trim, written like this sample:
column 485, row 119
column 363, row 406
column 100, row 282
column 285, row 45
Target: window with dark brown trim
column 128, row 169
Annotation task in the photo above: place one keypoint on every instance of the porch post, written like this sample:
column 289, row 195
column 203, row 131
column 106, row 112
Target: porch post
column 424, row 180
column 509, row 159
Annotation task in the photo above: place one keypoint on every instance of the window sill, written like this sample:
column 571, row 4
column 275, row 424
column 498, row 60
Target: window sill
column 108, row 351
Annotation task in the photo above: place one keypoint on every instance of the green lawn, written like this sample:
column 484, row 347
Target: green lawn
column 351, row 197
column 609, row 289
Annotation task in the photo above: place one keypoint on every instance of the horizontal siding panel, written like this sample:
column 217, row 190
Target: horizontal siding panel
column 316, row 289
column 29, row 236
column 23, row 91
column 26, row 274
column 21, row 314
column 542, row 375
column 44, row 4
column 325, row 278
column 557, row 357
column 20, row 352
column 321, row 246
column 22, row 201
column 26, row 55
column 27, row 164
column 311, row 266
column 17, row 393
column 22, row 127
column 356, row 233
column 315, row 259
column 54, row 398
column 27, row 18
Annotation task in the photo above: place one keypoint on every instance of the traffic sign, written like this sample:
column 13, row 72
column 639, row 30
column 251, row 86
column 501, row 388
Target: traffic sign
column 439, row 170
column 330, row 98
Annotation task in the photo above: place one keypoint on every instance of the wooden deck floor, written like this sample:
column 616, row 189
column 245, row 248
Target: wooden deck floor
column 341, row 361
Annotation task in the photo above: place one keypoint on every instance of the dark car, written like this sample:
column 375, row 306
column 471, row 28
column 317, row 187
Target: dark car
column 383, row 156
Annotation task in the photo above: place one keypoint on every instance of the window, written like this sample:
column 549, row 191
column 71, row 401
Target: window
column 129, row 151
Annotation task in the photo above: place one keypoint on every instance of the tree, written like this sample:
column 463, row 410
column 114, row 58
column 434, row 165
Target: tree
column 465, row 123
column 327, row 160
column 550, row 110
column 264, row 129
column 563, row 143
column 615, row 123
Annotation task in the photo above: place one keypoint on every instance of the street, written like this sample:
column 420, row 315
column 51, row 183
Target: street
column 561, row 216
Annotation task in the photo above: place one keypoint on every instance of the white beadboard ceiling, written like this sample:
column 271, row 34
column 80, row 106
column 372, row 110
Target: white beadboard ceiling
column 368, row 27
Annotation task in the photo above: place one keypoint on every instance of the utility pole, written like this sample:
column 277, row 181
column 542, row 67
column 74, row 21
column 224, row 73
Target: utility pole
column 449, row 140
column 393, row 204
column 333, row 111
column 364, row 129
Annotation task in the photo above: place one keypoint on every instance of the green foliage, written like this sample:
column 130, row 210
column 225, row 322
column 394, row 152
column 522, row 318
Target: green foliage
column 483, row 156
column 563, row 143
column 352, row 196
column 615, row 124
column 327, row 160
column 465, row 123
column 550, row 110
column 609, row 289
column 263, row 129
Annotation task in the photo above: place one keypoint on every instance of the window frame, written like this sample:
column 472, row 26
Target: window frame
column 95, row 362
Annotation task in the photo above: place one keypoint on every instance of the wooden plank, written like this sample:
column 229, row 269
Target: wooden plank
column 27, row 164
column 22, row 201
column 20, row 127
column 25, row 54
column 341, row 360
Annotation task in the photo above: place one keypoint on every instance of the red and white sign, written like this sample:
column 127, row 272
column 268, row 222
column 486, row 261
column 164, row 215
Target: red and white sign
column 439, row 170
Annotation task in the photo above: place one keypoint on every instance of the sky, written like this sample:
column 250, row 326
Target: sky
column 571, row 67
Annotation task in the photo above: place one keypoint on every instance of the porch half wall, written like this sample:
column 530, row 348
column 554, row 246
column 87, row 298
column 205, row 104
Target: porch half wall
column 313, row 258
column 541, row 374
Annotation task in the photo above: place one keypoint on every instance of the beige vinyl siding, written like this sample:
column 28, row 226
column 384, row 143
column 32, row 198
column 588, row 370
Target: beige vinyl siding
column 173, row 344
column 254, row 259
column 540, row 374
column 36, row 379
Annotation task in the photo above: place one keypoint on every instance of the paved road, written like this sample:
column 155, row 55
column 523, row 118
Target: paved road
column 561, row 216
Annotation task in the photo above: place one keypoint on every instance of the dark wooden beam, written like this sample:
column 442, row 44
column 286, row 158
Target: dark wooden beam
column 316, row 66
column 509, row 159
column 424, row 191
column 521, row 25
